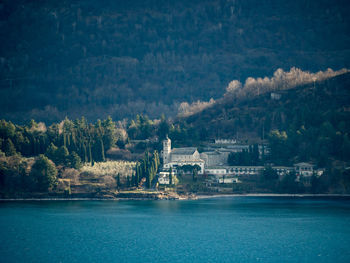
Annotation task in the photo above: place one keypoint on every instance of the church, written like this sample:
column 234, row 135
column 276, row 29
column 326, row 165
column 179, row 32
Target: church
column 177, row 157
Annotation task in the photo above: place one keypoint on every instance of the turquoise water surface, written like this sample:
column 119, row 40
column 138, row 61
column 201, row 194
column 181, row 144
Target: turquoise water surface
column 235, row 229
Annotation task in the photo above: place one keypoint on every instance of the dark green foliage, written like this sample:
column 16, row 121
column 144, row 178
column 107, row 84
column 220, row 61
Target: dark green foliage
column 288, row 184
column 8, row 148
column 14, row 176
column 141, row 128
column 163, row 128
column 246, row 157
column 43, row 173
column 308, row 123
column 51, row 153
column 154, row 53
column 62, row 155
column 118, row 181
column 269, row 174
column 189, row 168
column 194, row 175
column 89, row 142
column 171, row 181
column 75, row 161
column 147, row 168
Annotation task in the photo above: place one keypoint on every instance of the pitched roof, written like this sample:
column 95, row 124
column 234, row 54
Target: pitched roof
column 184, row 151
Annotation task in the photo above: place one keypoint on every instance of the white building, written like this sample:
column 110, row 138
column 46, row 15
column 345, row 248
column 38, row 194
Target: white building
column 177, row 157
column 276, row 96
column 304, row 169
column 228, row 180
column 164, row 178
column 225, row 141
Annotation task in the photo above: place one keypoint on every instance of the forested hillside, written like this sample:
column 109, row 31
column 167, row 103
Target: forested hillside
column 307, row 123
column 120, row 58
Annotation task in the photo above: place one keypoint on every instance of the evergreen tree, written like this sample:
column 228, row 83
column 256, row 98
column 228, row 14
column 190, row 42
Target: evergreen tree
column 171, row 176
column 43, row 173
column 9, row 147
column 118, row 181
column 52, row 153
column 102, row 151
column 75, row 161
column 194, row 175
column 62, row 155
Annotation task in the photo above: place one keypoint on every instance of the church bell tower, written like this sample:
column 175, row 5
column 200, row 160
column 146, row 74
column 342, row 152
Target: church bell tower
column 166, row 150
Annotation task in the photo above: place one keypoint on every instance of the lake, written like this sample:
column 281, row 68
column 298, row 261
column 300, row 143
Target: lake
column 231, row 229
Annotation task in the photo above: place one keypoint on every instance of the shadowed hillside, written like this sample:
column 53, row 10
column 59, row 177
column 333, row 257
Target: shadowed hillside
column 254, row 117
column 119, row 58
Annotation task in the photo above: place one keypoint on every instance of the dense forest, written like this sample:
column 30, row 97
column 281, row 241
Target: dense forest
column 122, row 58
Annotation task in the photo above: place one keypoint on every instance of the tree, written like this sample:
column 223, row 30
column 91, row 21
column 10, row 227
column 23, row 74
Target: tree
column 75, row 161
column 270, row 174
column 171, row 176
column 51, row 153
column 43, row 173
column 9, row 148
column 118, row 181
column 194, row 175
column 62, row 155
column 163, row 128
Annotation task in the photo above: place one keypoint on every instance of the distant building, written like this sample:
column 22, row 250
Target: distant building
column 214, row 158
column 217, row 154
column 304, row 169
column 227, row 180
column 245, row 170
column 177, row 157
column 225, row 141
column 275, row 96
column 164, row 178
column 234, row 170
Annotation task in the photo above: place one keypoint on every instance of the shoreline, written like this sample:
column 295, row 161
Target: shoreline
column 271, row 195
column 195, row 197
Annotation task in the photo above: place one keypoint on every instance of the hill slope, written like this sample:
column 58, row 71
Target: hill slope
column 97, row 58
column 308, row 123
column 308, row 105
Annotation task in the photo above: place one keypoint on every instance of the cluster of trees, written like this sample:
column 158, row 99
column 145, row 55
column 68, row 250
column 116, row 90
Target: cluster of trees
column 146, row 168
column 21, row 175
column 308, row 123
column 66, row 143
column 332, row 181
column 321, row 145
column 246, row 157
column 182, row 134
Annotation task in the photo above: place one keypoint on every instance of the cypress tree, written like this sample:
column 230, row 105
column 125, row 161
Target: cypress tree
column 118, row 181
column 90, row 155
column 171, row 176
column 102, row 151
column 86, row 159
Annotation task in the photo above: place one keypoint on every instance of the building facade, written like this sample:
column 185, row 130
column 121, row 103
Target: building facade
column 178, row 157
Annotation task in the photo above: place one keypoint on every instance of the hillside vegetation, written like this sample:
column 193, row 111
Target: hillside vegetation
column 122, row 58
column 307, row 123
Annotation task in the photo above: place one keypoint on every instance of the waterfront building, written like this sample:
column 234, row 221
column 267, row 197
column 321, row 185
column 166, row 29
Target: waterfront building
column 304, row 169
column 177, row 157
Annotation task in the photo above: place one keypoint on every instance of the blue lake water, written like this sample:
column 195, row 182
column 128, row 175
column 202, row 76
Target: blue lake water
column 235, row 229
